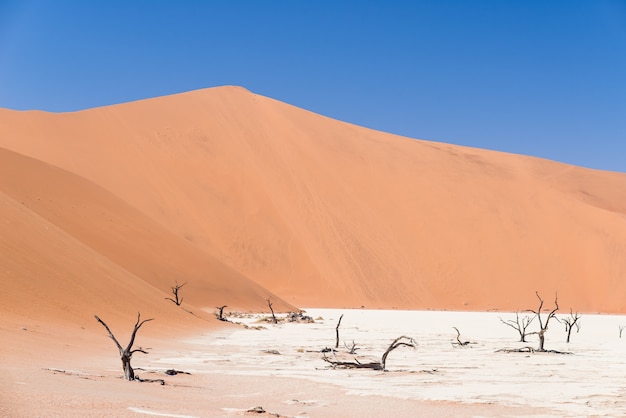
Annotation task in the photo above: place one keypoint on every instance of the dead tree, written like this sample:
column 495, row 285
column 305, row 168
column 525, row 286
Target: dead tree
column 269, row 303
column 375, row 365
column 220, row 315
column 570, row 322
column 458, row 338
column 621, row 329
column 543, row 327
column 337, row 332
column 520, row 325
column 127, row 353
column 175, row 290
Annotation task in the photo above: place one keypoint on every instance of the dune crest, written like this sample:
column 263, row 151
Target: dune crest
column 328, row 214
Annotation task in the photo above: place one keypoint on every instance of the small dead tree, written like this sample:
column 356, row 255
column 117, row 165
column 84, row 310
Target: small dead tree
column 543, row 327
column 520, row 325
column 269, row 303
column 570, row 322
column 352, row 349
column 621, row 329
column 175, row 290
column 220, row 314
column 127, row 353
column 337, row 332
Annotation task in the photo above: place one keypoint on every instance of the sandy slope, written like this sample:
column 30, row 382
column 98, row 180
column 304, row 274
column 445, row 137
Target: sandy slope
column 71, row 249
column 325, row 213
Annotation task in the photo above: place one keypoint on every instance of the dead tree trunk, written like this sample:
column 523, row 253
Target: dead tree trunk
column 570, row 323
column 127, row 353
column 621, row 329
column 520, row 325
column 543, row 327
column 269, row 303
column 175, row 290
column 337, row 332
column 220, row 315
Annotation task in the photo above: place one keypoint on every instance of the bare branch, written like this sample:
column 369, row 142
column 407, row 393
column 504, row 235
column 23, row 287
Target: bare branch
column 135, row 329
column 398, row 342
column 110, row 334
column 458, row 338
column 520, row 325
column 351, row 350
column 337, row 331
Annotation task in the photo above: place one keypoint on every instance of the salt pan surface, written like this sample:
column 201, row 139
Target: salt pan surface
column 591, row 381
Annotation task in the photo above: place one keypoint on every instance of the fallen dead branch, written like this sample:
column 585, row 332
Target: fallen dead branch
column 530, row 350
column 375, row 365
column 458, row 339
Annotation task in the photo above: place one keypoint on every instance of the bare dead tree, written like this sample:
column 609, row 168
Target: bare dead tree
column 337, row 332
column 458, row 338
column 220, row 314
column 570, row 322
column 543, row 327
column 175, row 290
column 375, row 365
column 127, row 353
column 621, row 329
column 520, row 325
column 269, row 303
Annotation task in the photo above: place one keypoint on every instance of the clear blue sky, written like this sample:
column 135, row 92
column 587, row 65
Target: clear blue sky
column 536, row 77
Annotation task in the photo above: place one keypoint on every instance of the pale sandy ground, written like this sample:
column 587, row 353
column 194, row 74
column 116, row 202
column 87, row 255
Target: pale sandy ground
column 233, row 370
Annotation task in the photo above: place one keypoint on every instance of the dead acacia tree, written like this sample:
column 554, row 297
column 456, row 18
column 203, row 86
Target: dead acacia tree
column 127, row 353
column 543, row 326
column 220, row 314
column 175, row 290
column 570, row 322
column 621, row 329
column 375, row 365
column 337, row 332
column 269, row 303
column 520, row 325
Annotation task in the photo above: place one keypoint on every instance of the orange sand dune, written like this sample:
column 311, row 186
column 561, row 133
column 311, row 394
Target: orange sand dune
column 320, row 212
column 71, row 249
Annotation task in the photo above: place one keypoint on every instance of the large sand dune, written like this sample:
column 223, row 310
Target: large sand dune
column 241, row 195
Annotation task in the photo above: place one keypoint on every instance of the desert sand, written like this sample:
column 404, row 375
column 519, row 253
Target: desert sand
column 245, row 199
